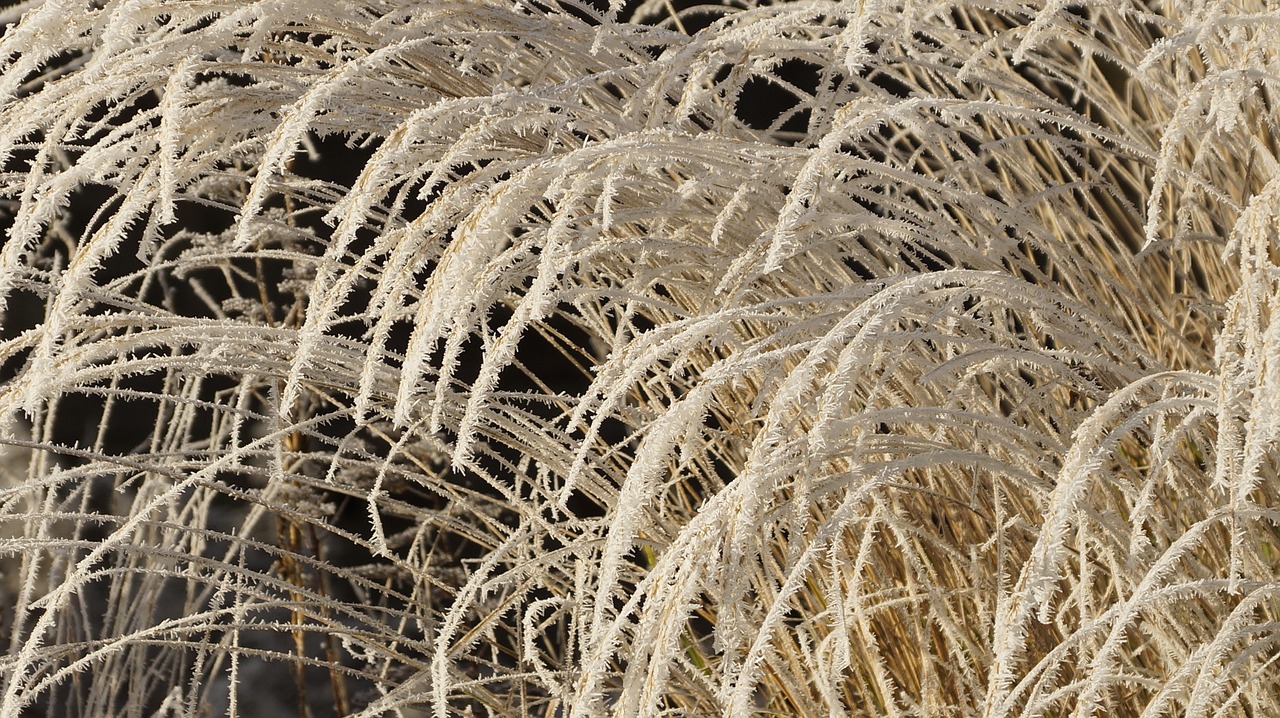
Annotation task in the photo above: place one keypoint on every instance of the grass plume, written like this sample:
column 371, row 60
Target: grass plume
column 567, row 358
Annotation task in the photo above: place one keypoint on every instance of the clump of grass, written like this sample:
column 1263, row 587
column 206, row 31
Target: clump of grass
column 577, row 359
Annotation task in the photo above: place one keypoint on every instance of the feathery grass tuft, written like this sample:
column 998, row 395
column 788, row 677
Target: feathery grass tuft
column 567, row 358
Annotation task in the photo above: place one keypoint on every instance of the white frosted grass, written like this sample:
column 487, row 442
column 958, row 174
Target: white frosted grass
column 516, row 357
